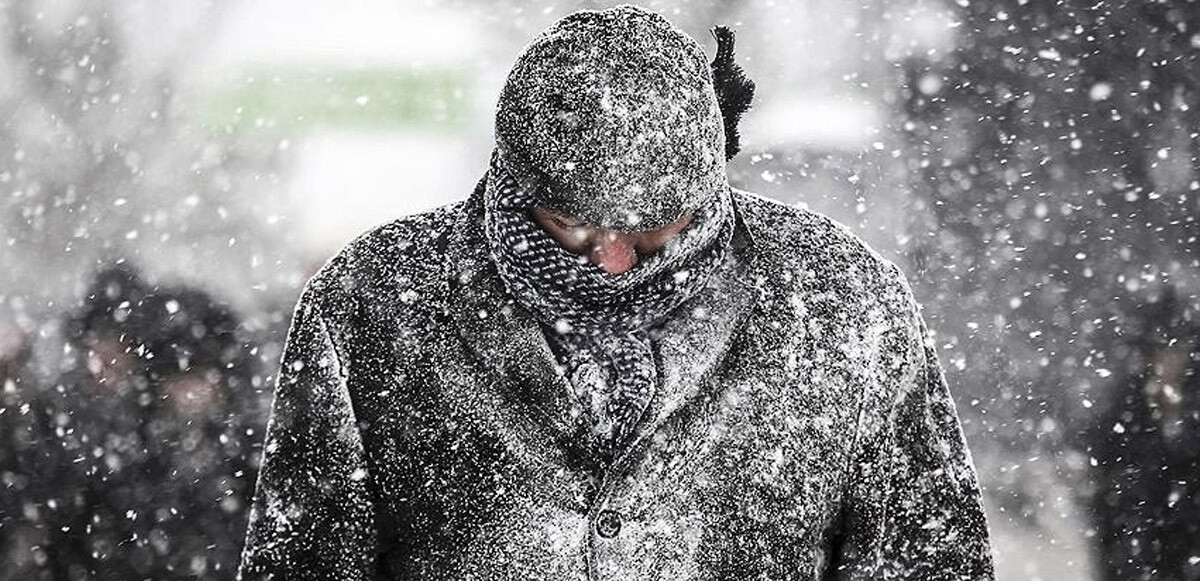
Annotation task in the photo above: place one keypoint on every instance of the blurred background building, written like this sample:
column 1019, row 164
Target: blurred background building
column 1031, row 166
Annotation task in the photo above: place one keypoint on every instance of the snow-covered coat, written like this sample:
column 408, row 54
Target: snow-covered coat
column 802, row 430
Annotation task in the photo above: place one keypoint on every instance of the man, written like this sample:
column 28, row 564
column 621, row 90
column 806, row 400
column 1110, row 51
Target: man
column 607, row 364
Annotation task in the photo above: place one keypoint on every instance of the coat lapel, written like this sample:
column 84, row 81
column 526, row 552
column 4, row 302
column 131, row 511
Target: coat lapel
column 509, row 344
column 505, row 338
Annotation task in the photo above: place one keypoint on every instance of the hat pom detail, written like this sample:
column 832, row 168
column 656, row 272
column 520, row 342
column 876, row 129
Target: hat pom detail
column 734, row 89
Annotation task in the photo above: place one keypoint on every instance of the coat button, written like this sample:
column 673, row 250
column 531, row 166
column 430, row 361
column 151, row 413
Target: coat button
column 608, row 524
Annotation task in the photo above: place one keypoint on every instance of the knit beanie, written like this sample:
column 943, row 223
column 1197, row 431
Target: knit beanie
column 611, row 117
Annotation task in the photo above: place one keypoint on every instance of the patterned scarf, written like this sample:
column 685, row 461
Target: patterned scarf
column 600, row 320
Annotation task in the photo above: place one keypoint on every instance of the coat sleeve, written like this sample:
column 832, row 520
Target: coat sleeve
column 311, row 517
column 914, row 509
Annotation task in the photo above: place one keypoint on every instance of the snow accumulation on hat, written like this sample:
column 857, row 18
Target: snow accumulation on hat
column 611, row 117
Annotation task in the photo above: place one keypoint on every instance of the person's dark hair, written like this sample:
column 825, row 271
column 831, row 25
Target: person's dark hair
column 174, row 327
column 734, row 89
column 192, row 329
column 110, row 304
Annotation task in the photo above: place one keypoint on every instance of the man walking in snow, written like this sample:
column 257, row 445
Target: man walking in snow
column 609, row 364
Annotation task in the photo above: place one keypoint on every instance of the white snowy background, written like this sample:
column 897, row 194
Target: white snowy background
column 1035, row 181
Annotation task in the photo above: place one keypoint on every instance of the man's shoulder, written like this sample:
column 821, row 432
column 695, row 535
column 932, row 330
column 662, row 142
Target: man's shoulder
column 412, row 239
column 812, row 270
column 394, row 260
column 794, row 239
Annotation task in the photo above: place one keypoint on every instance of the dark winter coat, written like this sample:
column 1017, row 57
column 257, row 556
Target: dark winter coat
column 803, row 428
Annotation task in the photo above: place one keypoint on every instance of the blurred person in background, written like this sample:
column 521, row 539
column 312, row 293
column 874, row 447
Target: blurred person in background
column 608, row 364
column 17, row 388
column 1146, row 506
column 141, row 452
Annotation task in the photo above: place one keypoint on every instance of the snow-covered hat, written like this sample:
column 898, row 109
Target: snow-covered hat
column 611, row 117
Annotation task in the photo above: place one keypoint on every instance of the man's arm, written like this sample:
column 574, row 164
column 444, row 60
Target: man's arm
column 311, row 516
column 914, row 510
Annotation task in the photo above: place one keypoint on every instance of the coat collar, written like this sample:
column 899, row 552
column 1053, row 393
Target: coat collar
column 508, row 342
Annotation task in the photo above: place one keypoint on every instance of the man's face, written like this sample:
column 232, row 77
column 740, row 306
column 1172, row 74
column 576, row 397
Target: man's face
column 612, row 250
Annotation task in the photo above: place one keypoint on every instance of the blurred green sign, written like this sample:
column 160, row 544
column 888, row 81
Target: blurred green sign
column 363, row 98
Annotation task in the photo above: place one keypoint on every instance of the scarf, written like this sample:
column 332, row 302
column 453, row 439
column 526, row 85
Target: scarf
column 600, row 321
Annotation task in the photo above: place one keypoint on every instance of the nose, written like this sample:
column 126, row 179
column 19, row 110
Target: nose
column 613, row 252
